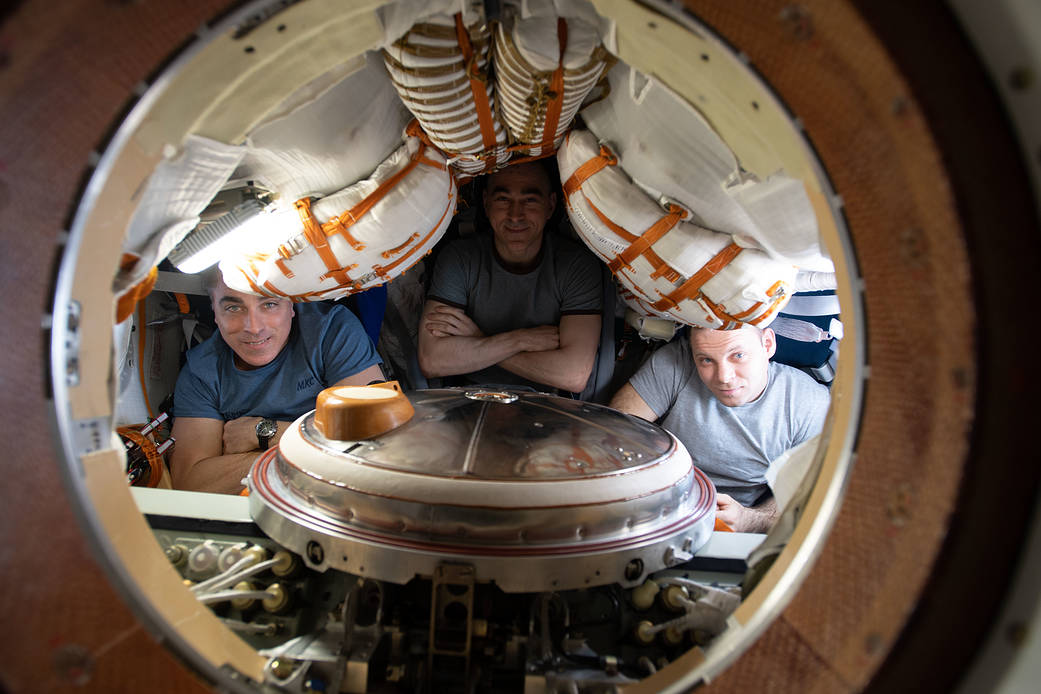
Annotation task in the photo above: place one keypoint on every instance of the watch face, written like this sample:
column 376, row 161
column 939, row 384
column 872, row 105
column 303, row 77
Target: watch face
column 266, row 428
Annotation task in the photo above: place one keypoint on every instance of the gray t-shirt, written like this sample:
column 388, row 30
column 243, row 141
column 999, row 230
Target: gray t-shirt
column 732, row 445
column 468, row 275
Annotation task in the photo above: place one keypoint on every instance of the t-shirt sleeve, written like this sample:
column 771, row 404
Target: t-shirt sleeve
column 346, row 347
column 661, row 377
column 193, row 396
column 449, row 282
column 582, row 290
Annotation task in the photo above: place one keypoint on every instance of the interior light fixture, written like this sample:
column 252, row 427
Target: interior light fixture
column 208, row 243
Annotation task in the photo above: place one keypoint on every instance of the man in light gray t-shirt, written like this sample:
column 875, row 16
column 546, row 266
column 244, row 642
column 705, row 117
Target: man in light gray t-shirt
column 733, row 409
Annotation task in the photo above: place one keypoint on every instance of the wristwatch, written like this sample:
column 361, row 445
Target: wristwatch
column 266, row 428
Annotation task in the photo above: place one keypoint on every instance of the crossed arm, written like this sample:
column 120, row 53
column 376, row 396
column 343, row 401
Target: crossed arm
column 561, row 356
column 743, row 519
column 212, row 455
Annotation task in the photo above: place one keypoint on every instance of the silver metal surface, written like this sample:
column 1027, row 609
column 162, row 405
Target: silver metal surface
column 519, row 488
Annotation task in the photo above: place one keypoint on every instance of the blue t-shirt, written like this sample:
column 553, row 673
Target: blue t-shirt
column 326, row 344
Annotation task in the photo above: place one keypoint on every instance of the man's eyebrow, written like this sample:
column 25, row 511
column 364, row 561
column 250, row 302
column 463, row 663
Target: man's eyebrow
column 533, row 190
column 230, row 300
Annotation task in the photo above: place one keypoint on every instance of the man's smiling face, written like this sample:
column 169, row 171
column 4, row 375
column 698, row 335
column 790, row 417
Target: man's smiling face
column 518, row 203
column 255, row 327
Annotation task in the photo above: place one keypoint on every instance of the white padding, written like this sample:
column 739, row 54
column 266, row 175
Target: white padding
column 396, row 232
column 177, row 192
column 328, row 139
column 427, row 68
column 527, row 54
column 750, row 289
column 670, row 150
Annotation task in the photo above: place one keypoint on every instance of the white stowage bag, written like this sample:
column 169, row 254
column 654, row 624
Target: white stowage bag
column 324, row 137
column 547, row 60
column 673, row 268
column 355, row 239
column 669, row 149
column 440, row 69
column 176, row 193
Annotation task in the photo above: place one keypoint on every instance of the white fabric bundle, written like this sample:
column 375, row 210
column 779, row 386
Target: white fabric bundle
column 708, row 280
column 327, row 137
column 546, row 62
column 451, row 96
column 670, row 149
column 177, row 192
column 322, row 138
column 371, row 232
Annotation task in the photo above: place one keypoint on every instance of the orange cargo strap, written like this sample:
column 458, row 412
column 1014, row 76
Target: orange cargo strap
column 648, row 238
column 479, row 89
column 661, row 268
column 340, row 223
column 316, row 235
column 729, row 322
column 694, row 283
column 125, row 304
column 384, row 270
column 776, row 292
column 281, row 265
column 182, row 303
column 584, row 172
column 574, row 184
column 556, row 91
column 253, row 286
column 148, row 447
column 398, row 249
column 275, row 291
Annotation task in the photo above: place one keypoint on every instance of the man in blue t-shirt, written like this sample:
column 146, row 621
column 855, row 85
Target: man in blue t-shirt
column 240, row 389
column 518, row 306
column 733, row 409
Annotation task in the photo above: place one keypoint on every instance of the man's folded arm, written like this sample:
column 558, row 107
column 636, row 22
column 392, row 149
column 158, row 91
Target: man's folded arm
column 450, row 343
column 197, row 462
column 568, row 366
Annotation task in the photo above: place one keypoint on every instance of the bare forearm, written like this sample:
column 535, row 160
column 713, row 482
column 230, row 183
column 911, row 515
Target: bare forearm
column 220, row 474
column 558, row 368
column 759, row 519
column 449, row 356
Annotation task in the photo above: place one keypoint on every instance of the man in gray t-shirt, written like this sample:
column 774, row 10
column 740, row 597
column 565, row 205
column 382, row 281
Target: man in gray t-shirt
column 733, row 409
column 517, row 306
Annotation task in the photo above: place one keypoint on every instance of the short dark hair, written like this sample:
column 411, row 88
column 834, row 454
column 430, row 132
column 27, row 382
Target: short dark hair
column 211, row 277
